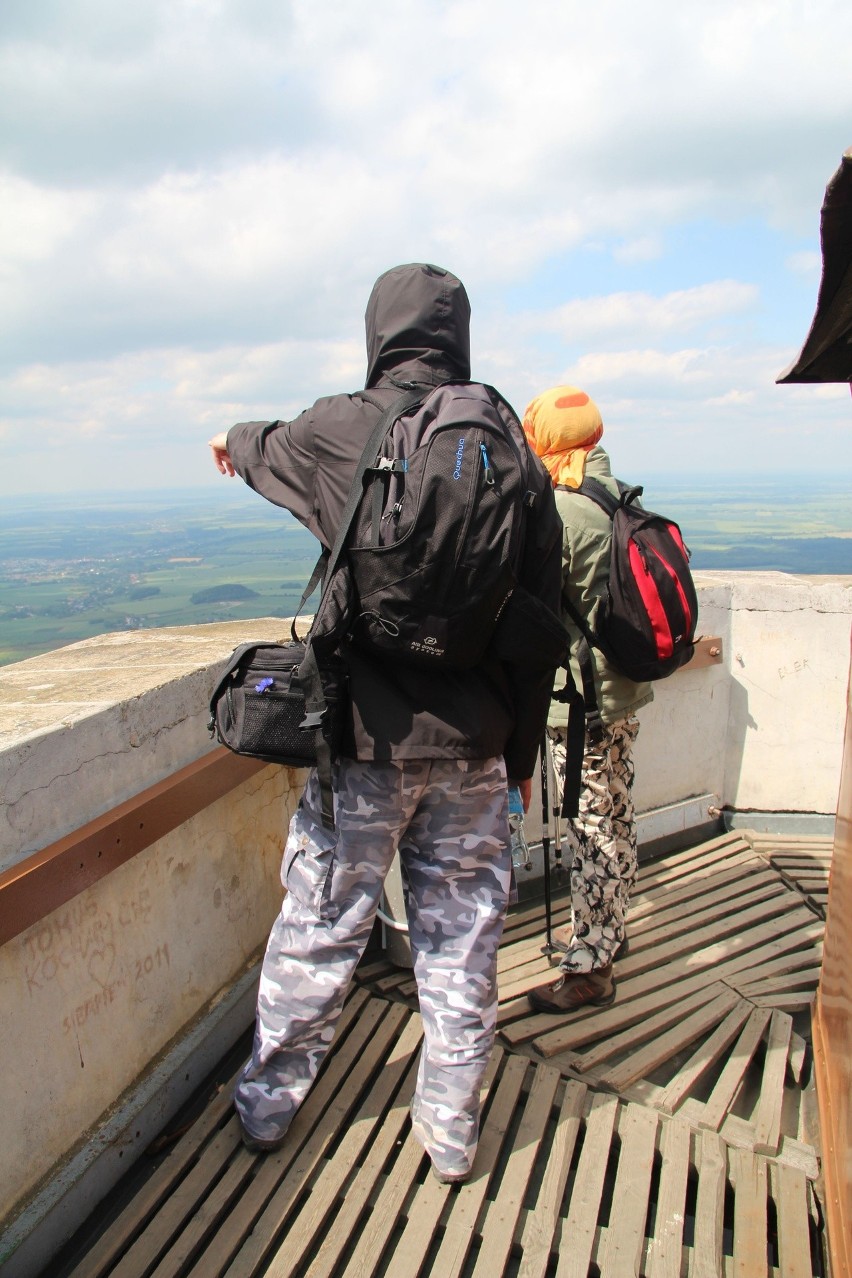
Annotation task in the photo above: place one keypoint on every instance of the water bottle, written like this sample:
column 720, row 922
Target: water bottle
column 521, row 859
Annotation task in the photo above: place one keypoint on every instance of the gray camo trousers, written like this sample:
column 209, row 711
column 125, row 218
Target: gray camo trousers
column 449, row 821
column 601, row 844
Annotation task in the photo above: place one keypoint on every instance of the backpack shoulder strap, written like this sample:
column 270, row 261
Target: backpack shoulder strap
column 309, row 675
column 405, row 401
column 601, row 496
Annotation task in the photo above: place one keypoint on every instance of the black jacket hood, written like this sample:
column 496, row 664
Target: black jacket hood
column 418, row 326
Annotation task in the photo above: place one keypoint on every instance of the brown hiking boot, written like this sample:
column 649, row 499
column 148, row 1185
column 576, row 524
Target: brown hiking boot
column 574, row 989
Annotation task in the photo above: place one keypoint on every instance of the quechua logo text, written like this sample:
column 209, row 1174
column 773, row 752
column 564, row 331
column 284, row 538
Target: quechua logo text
column 459, row 458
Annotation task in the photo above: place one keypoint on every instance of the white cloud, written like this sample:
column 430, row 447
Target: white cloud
column 590, row 318
column 732, row 399
column 197, row 194
column 645, row 248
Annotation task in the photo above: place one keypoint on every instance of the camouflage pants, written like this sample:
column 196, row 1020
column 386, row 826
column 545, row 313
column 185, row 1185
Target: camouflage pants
column 448, row 819
column 601, row 844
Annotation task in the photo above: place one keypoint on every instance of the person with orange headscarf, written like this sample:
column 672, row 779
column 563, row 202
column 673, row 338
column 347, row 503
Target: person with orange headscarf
column 564, row 427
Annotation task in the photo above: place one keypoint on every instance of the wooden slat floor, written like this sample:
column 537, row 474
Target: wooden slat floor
column 803, row 863
column 669, row 1134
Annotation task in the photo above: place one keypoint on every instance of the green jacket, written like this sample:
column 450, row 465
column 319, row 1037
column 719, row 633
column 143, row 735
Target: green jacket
column 587, row 534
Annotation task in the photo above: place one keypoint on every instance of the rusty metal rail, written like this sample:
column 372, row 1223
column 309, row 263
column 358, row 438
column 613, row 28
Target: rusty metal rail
column 49, row 878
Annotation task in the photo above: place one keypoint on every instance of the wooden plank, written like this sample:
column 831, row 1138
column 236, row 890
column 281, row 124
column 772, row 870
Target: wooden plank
column 471, row 1196
column 713, row 851
column 807, row 978
column 246, row 1236
column 664, row 986
column 790, row 1190
column 711, row 909
column 810, row 881
column 749, row 1174
column 730, row 1080
column 181, row 1204
column 786, row 965
column 686, row 1029
column 665, row 1253
column 366, row 972
column 739, row 1133
column 383, row 1218
column 503, row 1214
column 398, row 1072
column 539, row 1232
column 682, row 936
column 647, row 906
column 584, row 1208
column 647, row 1027
column 796, row 1057
column 801, row 1002
column 629, row 1210
column 392, row 981
column 706, row 1258
column 156, row 1190
column 696, row 883
column 767, row 1119
column 783, row 838
column 204, row 1216
column 517, row 935
column 705, row 1057
column 429, row 1203
column 368, row 1176
column 683, row 869
column 388, row 1205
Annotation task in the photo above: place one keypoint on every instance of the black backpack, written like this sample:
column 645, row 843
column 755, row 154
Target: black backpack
column 645, row 624
column 424, row 565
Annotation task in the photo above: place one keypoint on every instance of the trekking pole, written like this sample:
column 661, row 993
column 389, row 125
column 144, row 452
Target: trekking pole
column 548, row 948
column 557, row 816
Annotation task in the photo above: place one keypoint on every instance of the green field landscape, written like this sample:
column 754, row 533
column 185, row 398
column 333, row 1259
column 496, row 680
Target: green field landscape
column 73, row 567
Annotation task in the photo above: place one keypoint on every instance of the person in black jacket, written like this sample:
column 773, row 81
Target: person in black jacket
column 423, row 768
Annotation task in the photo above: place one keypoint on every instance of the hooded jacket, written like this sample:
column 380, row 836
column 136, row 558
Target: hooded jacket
column 418, row 330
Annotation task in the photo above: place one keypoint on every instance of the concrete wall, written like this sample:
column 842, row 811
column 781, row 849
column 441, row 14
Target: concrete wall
column 764, row 731
column 680, row 752
column 97, row 990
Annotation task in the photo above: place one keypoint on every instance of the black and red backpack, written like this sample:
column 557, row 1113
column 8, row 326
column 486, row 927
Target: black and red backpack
column 645, row 625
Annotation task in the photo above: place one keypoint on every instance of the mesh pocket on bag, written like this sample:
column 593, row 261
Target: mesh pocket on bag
column 271, row 726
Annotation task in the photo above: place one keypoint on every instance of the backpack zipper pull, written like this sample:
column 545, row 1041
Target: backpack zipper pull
column 489, row 473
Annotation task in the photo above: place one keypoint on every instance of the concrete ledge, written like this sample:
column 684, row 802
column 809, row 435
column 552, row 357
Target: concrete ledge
column 91, row 725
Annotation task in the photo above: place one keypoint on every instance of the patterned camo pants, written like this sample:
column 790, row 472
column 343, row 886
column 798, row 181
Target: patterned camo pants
column 601, row 844
column 449, row 821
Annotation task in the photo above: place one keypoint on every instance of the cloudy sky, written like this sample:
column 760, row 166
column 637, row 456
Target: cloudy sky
column 196, row 196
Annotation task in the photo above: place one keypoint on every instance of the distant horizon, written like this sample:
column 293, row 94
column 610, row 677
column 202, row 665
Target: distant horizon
column 222, row 487
column 77, row 564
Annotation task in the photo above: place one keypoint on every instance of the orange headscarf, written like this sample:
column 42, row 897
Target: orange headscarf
column 562, row 425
